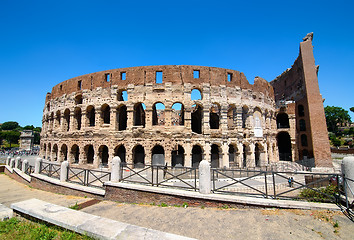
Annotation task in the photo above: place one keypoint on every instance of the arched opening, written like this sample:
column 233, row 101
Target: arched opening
column 231, row 117
column 178, row 157
column 158, row 114
column 78, row 99
column 158, row 156
column 283, row 120
column 177, row 114
column 257, row 154
column 90, row 153
column 301, row 110
column 284, row 146
column 214, row 156
column 64, row 152
column 196, row 94
column 122, row 117
column 244, row 156
column 232, row 154
column 57, row 120
column 197, row 156
column 77, row 117
column 304, row 140
column 103, row 155
column 244, row 116
column 257, row 123
column 67, row 119
column 44, row 151
column 197, row 117
column 55, row 152
column 120, row 152
column 49, row 152
column 90, row 114
column 106, row 114
column 302, row 125
column 139, row 114
column 139, row 156
column 75, row 153
column 51, row 121
column 122, row 95
column 214, row 116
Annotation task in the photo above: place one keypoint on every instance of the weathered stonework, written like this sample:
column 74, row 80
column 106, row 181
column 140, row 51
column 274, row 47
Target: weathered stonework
column 88, row 120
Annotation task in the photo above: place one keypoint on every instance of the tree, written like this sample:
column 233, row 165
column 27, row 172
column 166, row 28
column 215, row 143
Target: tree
column 9, row 125
column 351, row 109
column 28, row 127
column 335, row 116
column 11, row 136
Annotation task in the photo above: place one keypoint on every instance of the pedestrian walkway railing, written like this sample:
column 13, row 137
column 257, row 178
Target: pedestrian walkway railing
column 88, row 177
column 29, row 169
column 50, row 169
column 160, row 176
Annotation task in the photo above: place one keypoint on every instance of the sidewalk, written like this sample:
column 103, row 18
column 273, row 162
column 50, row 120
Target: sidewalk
column 197, row 222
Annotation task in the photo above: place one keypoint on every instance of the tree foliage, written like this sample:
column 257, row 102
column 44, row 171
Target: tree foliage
column 351, row 109
column 11, row 136
column 335, row 116
column 9, row 125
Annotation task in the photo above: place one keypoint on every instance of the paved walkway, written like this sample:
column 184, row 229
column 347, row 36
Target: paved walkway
column 200, row 223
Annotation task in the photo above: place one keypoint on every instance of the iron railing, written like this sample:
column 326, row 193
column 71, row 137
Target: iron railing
column 50, row 169
column 88, row 177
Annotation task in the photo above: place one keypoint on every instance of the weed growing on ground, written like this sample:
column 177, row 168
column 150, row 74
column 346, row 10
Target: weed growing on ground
column 319, row 195
column 74, row 207
column 185, row 205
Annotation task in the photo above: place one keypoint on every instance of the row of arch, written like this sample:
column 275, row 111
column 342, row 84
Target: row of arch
column 157, row 153
column 103, row 115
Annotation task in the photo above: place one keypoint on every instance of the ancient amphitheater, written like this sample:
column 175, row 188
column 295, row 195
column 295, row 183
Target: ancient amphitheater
column 179, row 115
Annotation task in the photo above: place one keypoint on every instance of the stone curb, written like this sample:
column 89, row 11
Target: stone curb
column 5, row 212
column 85, row 223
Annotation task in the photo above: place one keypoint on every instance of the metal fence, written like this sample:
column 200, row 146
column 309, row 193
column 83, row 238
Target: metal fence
column 161, row 176
column 50, row 169
column 88, row 177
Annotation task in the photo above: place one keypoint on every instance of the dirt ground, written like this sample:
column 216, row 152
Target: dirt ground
column 199, row 222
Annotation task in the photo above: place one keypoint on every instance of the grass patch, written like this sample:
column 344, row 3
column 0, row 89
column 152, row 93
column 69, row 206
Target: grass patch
column 314, row 196
column 74, row 207
column 16, row 229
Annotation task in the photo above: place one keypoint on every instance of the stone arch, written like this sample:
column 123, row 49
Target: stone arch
column 122, row 117
column 197, row 155
column 67, row 119
column 49, row 151
column 158, row 114
column 106, row 114
column 232, row 154
column 121, row 152
column 282, row 120
column 75, row 153
column 55, row 152
column 231, row 117
column 158, row 155
column 122, row 95
column 284, row 146
column 44, row 151
column 138, row 156
column 51, row 120
column 246, row 153
column 77, row 117
column 197, row 118
column 215, row 152
column 103, row 155
column 177, row 117
column 258, row 156
column 196, row 94
column 214, row 116
column 245, row 110
column 139, row 114
column 78, row 99
column 57, row 119
column 64, row 152
column 90, row 116
column 177, row 156
column 90, row 153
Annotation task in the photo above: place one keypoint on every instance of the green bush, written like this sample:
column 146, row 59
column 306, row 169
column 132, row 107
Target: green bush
column 319, row 196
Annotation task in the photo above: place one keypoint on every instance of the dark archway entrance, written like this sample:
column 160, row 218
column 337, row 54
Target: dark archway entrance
column 75, row 153
column 197, row 117
column 139, row 156
column 89, row 154
column 158, row 156
column 257, row 155
column 122, row 118
column 284, row 146
column 178, row 157
column 103, row 154
column 283, row 120
column 197, row 156
column 214, row 156
column 120, row 152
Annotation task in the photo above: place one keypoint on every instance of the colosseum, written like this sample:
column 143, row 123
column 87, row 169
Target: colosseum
column 179, row 115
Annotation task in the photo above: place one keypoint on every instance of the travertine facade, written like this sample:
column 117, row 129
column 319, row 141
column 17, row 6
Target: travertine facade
column 152, row 115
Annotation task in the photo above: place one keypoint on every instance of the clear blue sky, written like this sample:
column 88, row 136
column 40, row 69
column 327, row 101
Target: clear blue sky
column 43, row 43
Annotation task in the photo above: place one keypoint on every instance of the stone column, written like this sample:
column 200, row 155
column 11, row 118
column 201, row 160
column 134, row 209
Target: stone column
column 168, row 117
column 168, row 156
column 130, row 117
column 225, row 155
column 83, row 119
column 24, row 165
column 98, row 122
column 206, row 118
column 115, row 172
column 113, row 119
column 64, row 171
column 17, row 162
column 62, row 120
column 240, row 155
column 204, row 177
column 250, row 157
column 188, row 119
column 72, row 124
column 148, row 117
column 96, row 159
column 188, row 155
column 12, row 163
column 8, row 161
column 239, row 118
column 207, row 153
column 82, row 156
column 37, row 165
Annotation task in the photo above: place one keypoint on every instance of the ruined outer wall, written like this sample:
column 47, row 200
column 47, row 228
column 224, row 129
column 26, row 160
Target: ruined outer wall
column 300, row 84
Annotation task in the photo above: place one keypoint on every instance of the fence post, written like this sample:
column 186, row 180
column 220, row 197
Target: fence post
column 12, row 163
column 64, row 171
column 24, row 165
column 37, row 165
column 348, row 171
column 8, row 161
column 17, row 162
column 204, row 177
column 116, row 171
